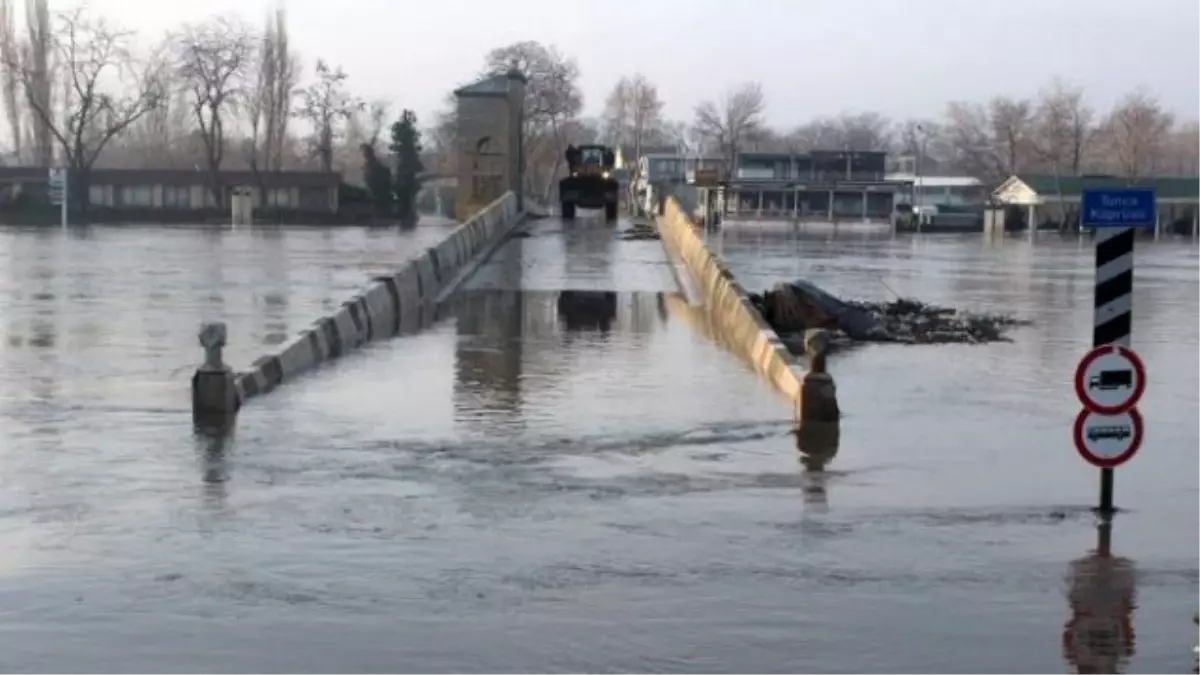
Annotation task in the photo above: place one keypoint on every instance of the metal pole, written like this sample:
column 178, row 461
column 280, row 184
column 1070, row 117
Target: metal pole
column 917, row 182
column 66, row 190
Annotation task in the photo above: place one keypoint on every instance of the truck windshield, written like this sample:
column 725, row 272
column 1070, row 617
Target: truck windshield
column 591, row 156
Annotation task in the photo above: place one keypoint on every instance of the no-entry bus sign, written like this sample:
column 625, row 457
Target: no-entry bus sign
column 1108, row 441
column 1110, row 379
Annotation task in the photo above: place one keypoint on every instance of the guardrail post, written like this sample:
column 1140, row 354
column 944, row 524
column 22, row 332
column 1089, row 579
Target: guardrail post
column 818, row 428
column 214, row 392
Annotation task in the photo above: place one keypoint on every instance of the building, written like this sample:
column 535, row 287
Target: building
column 133, row 192
column 489, row 163
column 627, row 156
column 822, row 184
column 661, row 173
column 947, row 193
column 1043, row 200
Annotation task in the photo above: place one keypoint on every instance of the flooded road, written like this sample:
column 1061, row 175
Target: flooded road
column 576, row 481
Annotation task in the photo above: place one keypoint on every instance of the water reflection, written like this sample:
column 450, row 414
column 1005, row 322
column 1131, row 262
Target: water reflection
column 488, row 352
column 212, row 444
column 817, row 444
column 1102, row 594
column 588, row 244
column 587, row 310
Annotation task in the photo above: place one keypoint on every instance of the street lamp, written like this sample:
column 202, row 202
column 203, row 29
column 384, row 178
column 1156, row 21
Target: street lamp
column 924, row 138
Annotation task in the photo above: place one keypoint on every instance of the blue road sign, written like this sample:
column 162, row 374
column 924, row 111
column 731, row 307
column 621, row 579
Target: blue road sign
column 1119, row 207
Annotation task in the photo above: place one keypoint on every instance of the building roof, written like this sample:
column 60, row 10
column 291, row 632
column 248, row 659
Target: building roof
column 493, row 85
column 1165, row 187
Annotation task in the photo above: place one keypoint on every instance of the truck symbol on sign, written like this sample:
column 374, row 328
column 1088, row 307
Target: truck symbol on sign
column 1111, row 379
column 1119, row 433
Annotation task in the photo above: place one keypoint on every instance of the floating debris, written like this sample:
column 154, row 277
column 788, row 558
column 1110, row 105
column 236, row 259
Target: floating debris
column 793, row 307
column 640, row 232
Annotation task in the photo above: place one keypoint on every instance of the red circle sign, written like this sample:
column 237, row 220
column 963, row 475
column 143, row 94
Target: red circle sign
column 1110, row 379
column 1108, row 441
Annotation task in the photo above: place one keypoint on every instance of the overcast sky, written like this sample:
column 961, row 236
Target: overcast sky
column 904, row 58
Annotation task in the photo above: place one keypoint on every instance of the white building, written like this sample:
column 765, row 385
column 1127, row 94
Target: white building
column 955, row 192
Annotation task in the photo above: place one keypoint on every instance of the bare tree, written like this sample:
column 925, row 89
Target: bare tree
column 617, row 114
column 38, row 58
column 866, row 131
column 855, row 131
column 926, row 138
column 1135, row 133
column 970, row 141
column 1182, row 155
column 442, row 137
column 633, row 113
column 269, row 102
column 992, row 142
column 552, row 99
column 1012, row 127
column 729, row 123
column 1062, row 127
column 818, row 134
column 363, row 130
column 212, row 61
column 1061, row 130
column 107, row 90
column 370, row 121
column 155, row 140
column 10, row 60
column 672, row 134
column 326, row 104
column 646, row 108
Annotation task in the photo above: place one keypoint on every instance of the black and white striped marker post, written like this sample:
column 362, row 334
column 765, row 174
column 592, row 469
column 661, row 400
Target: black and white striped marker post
column 1114, row 287
column 1116, row 214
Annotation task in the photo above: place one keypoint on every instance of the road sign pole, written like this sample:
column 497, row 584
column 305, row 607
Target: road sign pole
column 1113, row 311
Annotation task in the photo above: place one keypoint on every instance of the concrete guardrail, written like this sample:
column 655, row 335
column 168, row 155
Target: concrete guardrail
column 740, row 326
column 388, row 306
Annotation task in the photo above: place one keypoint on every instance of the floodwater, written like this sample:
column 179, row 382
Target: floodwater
column 576, row 481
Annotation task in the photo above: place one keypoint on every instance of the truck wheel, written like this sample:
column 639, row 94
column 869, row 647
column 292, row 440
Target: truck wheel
column 568, row 210
column 610, row 212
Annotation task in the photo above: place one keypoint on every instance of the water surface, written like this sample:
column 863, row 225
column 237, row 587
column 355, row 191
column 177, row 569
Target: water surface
column 577, row 481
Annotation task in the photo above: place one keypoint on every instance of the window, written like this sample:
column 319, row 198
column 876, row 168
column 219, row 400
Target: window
column 210, row 202
column 279, row 198
column 177, row 196
column 96, row 195
column 137, row 195
column 314, row 198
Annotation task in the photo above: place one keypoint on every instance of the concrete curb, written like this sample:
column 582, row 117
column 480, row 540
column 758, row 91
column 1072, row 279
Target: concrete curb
column 742, row 328
column 390, row 305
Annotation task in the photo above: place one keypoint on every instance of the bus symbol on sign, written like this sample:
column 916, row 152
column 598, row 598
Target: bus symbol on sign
column 1117, row 432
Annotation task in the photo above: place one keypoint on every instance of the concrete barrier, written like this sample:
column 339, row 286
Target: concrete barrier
column 740, row 326
column 388, row 306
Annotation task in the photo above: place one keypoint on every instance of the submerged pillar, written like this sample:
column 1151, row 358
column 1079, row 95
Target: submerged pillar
column 818, row 418
column 214, row 392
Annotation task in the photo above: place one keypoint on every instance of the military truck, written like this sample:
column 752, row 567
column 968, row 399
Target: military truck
column 589, row 182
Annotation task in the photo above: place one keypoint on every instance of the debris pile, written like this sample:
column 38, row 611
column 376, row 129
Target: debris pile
column 640, row 232
column 793, row 307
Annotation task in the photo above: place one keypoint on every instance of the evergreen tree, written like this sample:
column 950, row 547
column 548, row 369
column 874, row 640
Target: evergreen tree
column 406, row 148
column 378, row 179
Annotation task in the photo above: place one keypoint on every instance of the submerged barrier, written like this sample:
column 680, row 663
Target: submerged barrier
column 388, row 306
column 742, row 329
